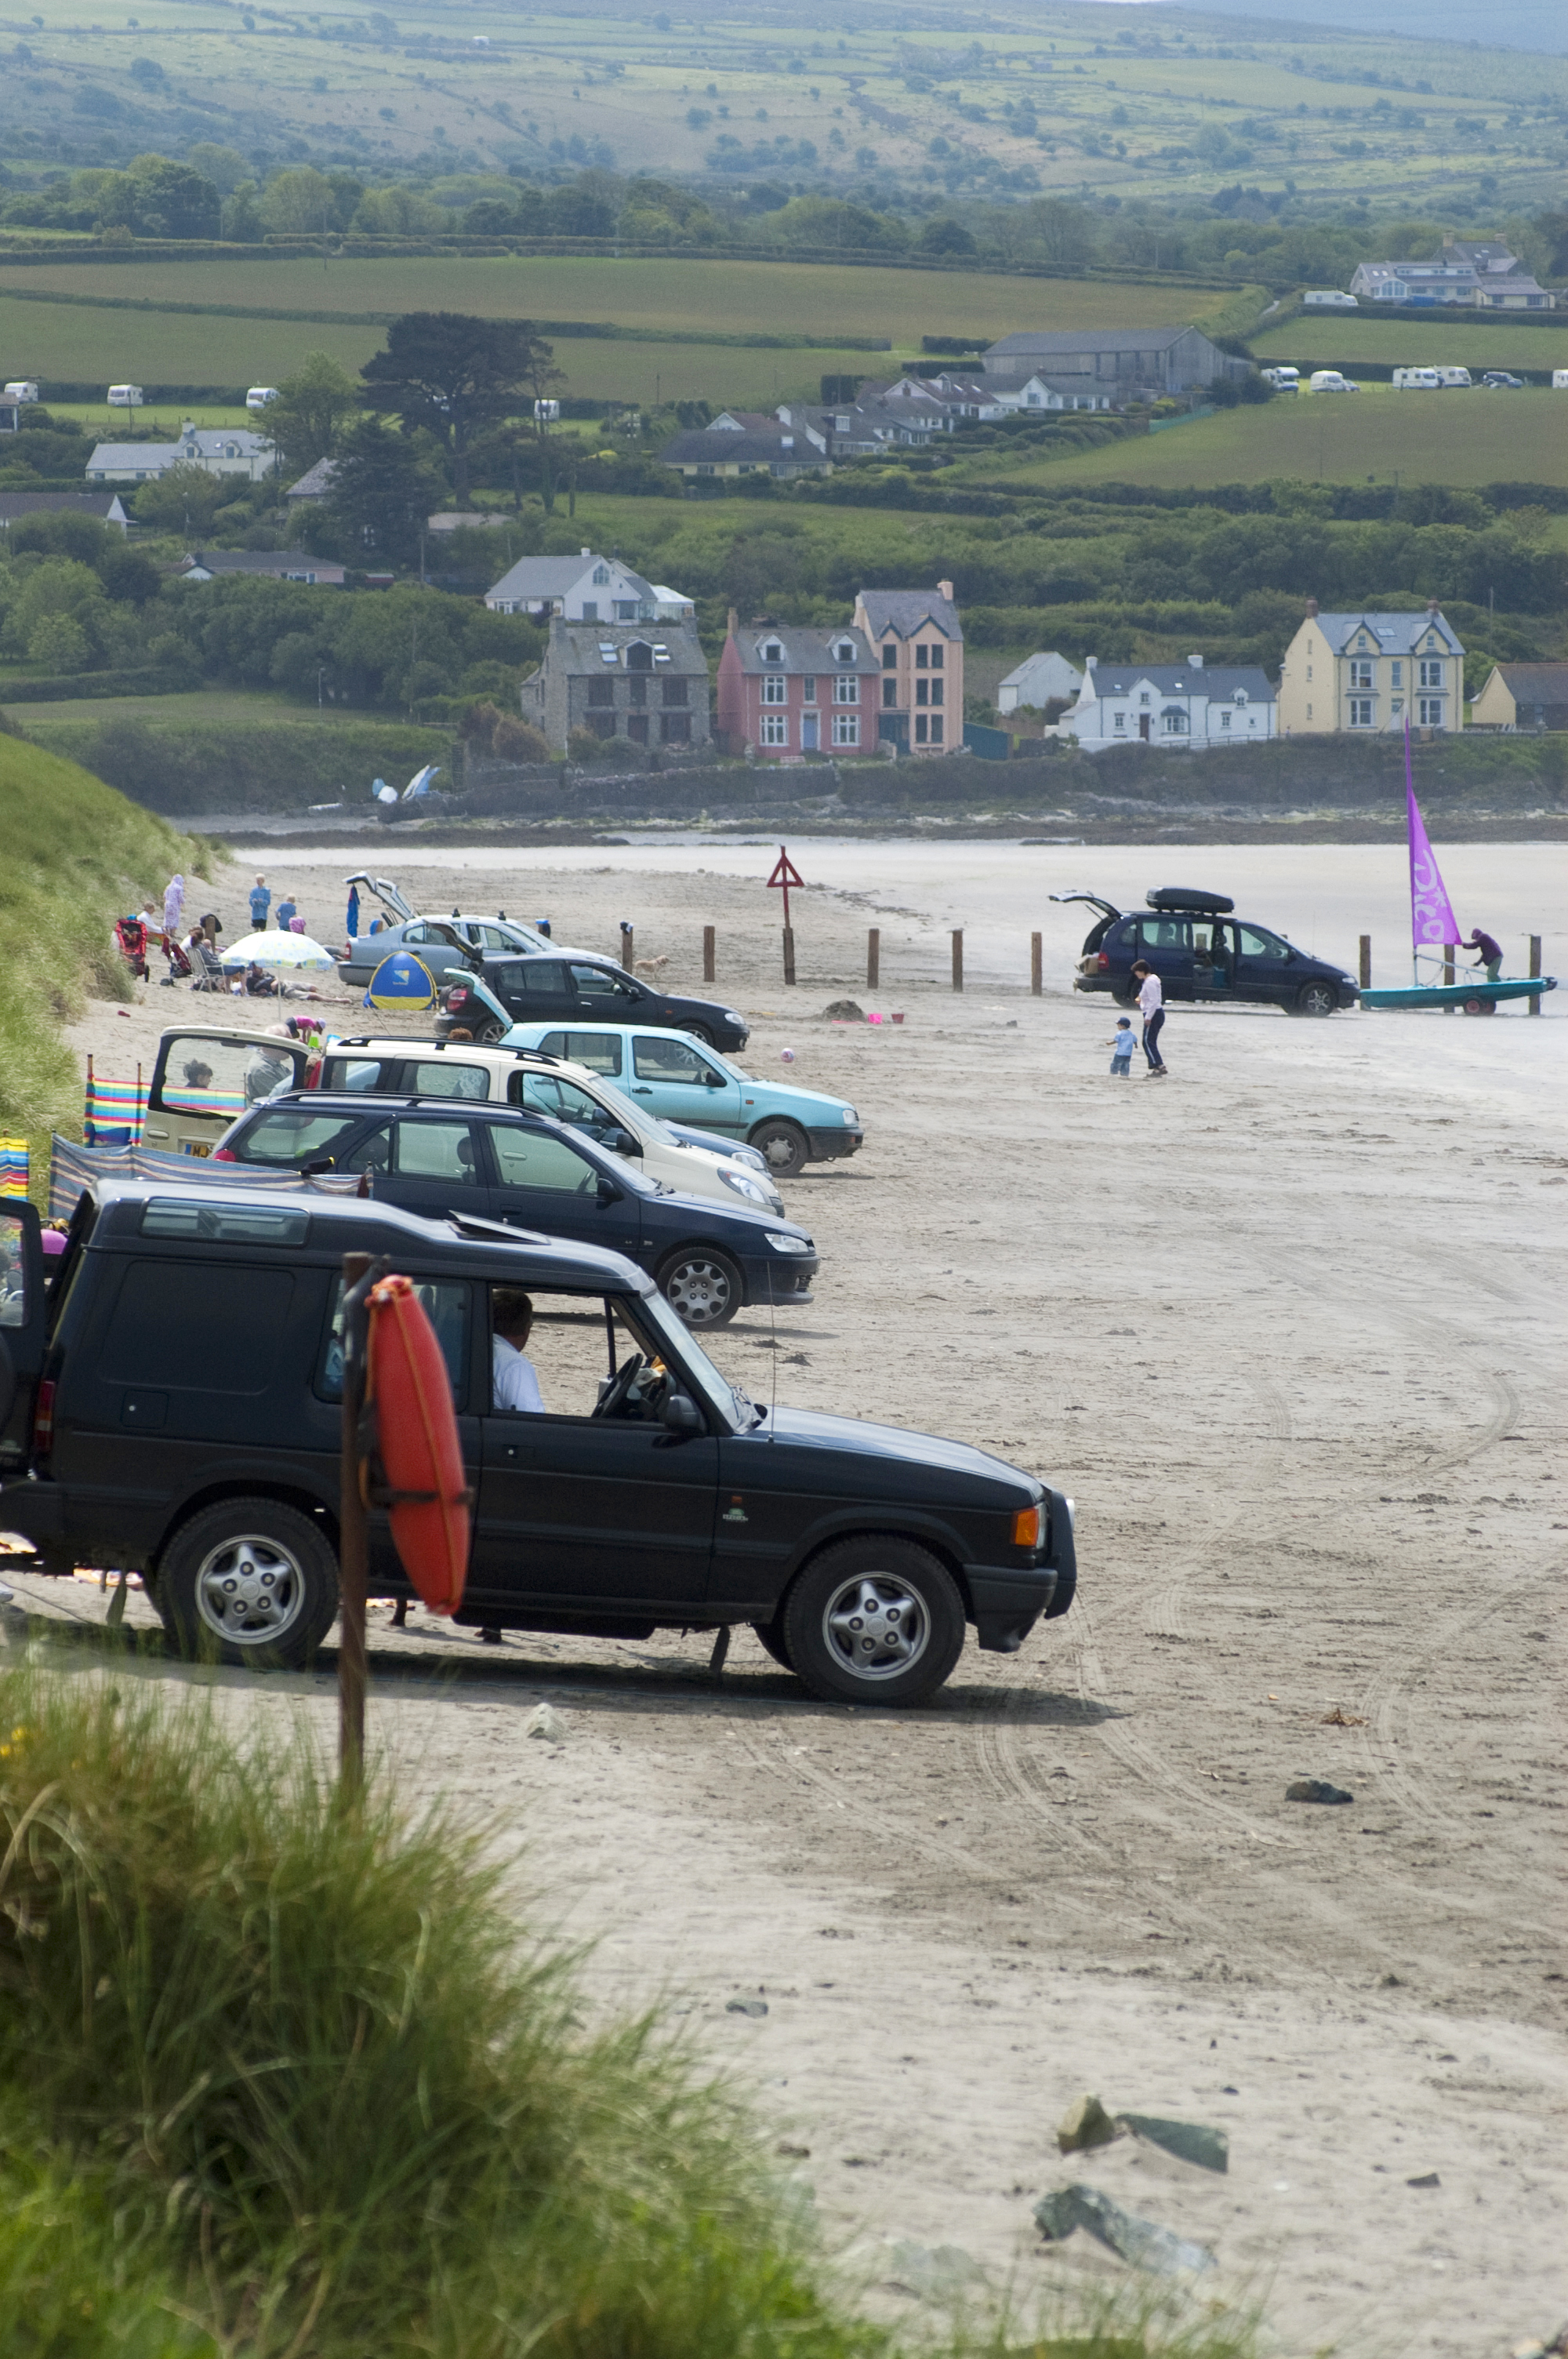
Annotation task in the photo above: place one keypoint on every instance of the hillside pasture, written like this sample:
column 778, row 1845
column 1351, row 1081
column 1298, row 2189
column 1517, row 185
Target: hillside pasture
column 1335, row 438
column 1396, row 339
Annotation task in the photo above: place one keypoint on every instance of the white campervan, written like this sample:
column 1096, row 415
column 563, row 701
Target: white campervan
column 1419, row 380
column 1330, row 381
column 1284, row 380
column 259, row 396
column 126, row 397
column 1329, row 299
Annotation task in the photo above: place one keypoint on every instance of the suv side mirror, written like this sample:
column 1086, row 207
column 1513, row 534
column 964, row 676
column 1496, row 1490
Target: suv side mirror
column 680, row 1414
column 607, row 1191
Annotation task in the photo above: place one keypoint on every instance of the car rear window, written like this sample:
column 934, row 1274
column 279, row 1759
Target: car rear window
column 222, row 1077
column 163, row 1322
column 370, row 1074
column 290, row 1138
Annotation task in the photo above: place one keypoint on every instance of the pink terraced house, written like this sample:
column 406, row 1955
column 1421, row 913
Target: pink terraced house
column 789, row 695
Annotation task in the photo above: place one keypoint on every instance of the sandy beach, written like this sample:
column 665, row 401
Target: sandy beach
column 1290, row 1327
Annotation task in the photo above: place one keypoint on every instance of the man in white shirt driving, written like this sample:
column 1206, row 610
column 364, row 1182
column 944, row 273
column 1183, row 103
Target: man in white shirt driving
column 514, row 1384
column 1151, row 1007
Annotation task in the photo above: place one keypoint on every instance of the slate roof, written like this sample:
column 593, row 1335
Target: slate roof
column 208, row 442
column 316, row 482
column 14, row 505
column 1218, row 683
column 1031, row 342
column 805, row 651
column 579, row 647
column 765, row 446
column 1396, row 634
column 552, row 576
column 1536, row 683
column 272, row 564
column 903, row 611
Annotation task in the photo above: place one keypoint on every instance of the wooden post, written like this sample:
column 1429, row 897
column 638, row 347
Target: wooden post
column 873, row 957
column 628, row 946
column 957, row 958
column 789, row 953
column 1036, row 964
column 707, row 953
column 1535, row 969
column 1450, row 952
column 1366, row 961
column 353, row 1548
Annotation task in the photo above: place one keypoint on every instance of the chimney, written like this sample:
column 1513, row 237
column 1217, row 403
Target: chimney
column 588, row 552
column 1432, row 606
column 1311, row 610
column 734, row 623
column 1197, row 662
column 1091, row 663
column 945, row 590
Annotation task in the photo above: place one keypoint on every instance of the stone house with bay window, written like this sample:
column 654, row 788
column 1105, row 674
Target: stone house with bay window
column 646, row 684
column 791, row 695
column 1370, row 672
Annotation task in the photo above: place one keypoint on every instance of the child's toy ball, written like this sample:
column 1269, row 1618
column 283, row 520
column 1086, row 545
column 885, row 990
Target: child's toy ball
column 786, row 1055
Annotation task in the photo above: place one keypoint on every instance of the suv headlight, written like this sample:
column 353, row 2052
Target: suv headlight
column 744, row 1184
column 781, row 1243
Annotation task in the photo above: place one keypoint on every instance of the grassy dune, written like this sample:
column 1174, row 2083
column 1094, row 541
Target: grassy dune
column 77, row 856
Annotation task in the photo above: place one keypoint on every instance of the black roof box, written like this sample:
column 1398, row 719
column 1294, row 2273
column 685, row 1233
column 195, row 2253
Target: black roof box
column 1182, row 896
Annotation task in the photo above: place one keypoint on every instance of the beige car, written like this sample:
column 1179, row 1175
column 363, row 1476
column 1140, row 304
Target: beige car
column 545, row 1084
column 205, row 1077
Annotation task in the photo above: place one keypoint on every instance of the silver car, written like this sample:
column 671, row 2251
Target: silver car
column 442, row 944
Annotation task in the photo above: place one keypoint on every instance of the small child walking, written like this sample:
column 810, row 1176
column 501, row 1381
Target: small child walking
column 1120, row 1047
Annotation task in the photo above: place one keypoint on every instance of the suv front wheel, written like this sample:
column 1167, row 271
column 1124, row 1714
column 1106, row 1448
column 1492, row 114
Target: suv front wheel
column 874, row 1621
column 1317, row 999
column 249, row 1581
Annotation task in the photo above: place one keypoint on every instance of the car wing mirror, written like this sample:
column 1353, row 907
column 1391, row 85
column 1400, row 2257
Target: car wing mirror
column 608, row 1192
column 621, row 1142
column 715, row 1081
column 679, row 1414
column 313, row 1170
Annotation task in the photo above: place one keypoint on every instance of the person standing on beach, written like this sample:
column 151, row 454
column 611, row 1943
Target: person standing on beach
column 1151, row 1007
column 1489, row 953
column 261, row 902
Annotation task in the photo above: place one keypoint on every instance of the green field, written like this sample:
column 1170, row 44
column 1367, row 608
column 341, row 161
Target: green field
column 1390, row 341
column 214, row 708
column 1174, row 107
column 1338, row 438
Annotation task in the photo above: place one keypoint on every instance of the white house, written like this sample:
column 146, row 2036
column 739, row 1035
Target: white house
column 586, row 589
column 1171, row 704
column 1040, row 680
column 217, row 450
column 1048, row 393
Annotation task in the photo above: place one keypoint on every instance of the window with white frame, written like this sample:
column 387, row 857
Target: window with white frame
column 1225, row 720
column 1360, row 712
column 845, row 650
column 775, row 729
column 1431, row 672
column 775, row 690
column 846, row 729
column 1173, row 724
column 1397, row 674
column 1360, row 675
column 808, row 689
column 1118, row 720
column 773, row 652
column 1144, row 696
column 601, row 574
column 1429, row 711
column 847, row 691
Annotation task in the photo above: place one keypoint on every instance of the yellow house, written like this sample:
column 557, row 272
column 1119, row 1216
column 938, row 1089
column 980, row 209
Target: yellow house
column 920, row 645
column 1370, row 672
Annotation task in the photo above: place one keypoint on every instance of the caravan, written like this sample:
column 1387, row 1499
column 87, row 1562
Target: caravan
column 1419, row 380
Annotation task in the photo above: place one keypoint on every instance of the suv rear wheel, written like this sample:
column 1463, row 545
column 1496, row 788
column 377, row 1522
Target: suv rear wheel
column 874, row 1621
column 249, row 1581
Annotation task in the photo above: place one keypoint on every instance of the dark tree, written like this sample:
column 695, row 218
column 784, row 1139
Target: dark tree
column 454, row 376
column 380, row 497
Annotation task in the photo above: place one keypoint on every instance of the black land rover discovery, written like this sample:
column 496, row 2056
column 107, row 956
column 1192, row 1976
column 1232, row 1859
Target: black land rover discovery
column 170, row 1401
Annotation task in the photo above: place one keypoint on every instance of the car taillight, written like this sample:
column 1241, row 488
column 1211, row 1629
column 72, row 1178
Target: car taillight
column 1103, row 964
column 43, row 1419
column 457, row 997
column 224, row 1155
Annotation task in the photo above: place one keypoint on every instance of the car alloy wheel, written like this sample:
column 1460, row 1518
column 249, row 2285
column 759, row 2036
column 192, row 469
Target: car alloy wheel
column 702, row 1288
column 250, row 1591
column 783, row 1146
column 698, row 1032
column 875, row 1626
column 1318, row 999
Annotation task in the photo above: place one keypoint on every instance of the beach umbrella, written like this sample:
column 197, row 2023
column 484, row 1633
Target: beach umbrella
column 401, row 981
column 295, row 952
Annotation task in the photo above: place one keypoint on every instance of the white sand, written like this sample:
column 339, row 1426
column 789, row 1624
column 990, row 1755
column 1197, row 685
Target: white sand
column 1290, row 1327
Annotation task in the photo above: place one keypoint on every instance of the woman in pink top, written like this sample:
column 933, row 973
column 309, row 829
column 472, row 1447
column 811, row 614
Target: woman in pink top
column 1151, row 1007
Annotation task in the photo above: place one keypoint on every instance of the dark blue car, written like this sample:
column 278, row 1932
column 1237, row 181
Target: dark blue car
column 1200, row 950
column 485, row 1162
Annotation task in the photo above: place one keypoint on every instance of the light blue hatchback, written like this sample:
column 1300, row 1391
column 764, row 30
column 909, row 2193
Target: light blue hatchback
column 672, row 1077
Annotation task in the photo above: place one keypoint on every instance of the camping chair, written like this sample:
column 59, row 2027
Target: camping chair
column 209, row 975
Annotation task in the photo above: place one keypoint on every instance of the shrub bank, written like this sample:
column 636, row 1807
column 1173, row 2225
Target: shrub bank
column 284, row 766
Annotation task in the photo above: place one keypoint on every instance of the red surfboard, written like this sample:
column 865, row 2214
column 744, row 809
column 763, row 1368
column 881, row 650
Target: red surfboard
column 421, row 1460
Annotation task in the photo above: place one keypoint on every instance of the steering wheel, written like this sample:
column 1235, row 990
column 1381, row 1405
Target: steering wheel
column 619, row 1385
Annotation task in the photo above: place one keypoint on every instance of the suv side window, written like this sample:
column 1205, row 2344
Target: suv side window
column 163, row 1321
column 538, row 978
column 438, row 1150
column 599, row 1051
column 446, row 1306
column 1255, row 943
column 358, row 1073
column 1162, row 934
column 444, row 1077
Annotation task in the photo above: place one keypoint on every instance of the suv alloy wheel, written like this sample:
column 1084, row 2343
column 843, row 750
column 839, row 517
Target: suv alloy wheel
column 874, row 1621
column 248, row 1581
